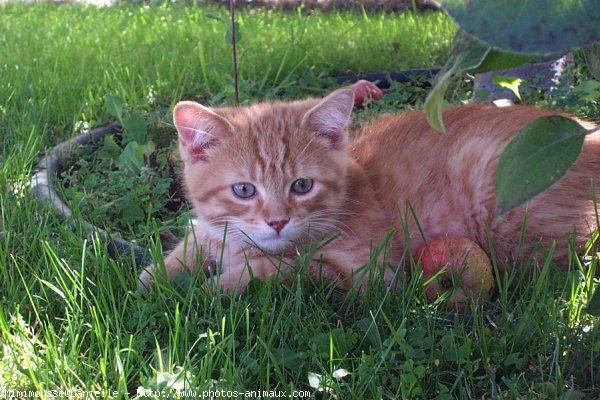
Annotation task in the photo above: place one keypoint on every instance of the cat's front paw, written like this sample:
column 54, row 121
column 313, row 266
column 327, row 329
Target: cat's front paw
column 145, row 280
column 235, row 280
column 231, row 282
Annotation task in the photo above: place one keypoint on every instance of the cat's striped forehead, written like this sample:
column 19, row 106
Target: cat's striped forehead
column 271, row 141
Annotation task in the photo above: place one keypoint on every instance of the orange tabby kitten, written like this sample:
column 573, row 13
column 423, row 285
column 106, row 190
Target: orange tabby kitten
column 274, row 178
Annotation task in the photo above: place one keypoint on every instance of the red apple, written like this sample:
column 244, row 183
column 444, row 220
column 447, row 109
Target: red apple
column 459, row 266
column 365, row 90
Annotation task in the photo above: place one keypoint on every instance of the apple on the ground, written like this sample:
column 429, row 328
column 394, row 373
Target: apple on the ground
column 459, row 266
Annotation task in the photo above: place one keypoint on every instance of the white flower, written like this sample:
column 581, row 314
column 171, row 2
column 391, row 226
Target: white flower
column 324, row 384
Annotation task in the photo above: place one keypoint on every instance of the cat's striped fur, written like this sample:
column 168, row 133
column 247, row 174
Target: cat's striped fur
column 361, row 188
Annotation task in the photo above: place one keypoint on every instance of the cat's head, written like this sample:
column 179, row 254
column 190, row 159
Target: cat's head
column 273, row 172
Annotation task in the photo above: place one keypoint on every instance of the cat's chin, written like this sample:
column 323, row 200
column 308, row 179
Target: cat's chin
column 273, row 245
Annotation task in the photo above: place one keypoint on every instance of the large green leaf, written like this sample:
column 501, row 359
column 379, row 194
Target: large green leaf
column 497, row 60
column 132, row 157
column 109, row 149
column 466, row 54
column 114, row 105
column 136, row 129
column 131, row 212
column 529, row 26
column 536, row 159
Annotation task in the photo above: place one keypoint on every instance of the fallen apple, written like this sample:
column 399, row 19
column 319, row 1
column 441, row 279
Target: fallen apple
column 365, row 90
column 458, row 266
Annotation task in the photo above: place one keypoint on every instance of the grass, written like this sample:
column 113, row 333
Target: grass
column 78, row 56
column 70, row 317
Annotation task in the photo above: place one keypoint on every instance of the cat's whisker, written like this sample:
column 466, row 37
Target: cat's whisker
column 326, row 229
column 357, row 202
column 334, row 212
column 337, row 217
column 331, row 225
column 321, row 227
column 343, row 227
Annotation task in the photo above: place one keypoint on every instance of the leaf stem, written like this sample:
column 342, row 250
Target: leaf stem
column 233, row 49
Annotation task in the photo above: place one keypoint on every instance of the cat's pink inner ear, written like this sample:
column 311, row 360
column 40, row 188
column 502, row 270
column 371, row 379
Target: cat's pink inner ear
column 199, row 128
column 330, row 118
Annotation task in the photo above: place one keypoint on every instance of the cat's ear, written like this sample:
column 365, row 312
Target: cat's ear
column 330, row 118
column 199, row 128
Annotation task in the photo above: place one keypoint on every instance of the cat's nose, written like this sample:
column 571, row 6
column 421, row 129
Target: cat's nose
column 278, row 225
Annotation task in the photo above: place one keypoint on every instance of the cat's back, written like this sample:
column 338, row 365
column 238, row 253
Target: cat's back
column 471, row 127
column 447, row 180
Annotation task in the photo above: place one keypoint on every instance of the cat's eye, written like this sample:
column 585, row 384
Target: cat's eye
column 243, row 190
column 302, row 186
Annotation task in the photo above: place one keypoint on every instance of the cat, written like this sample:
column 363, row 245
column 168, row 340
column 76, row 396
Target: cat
column 269, row 180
